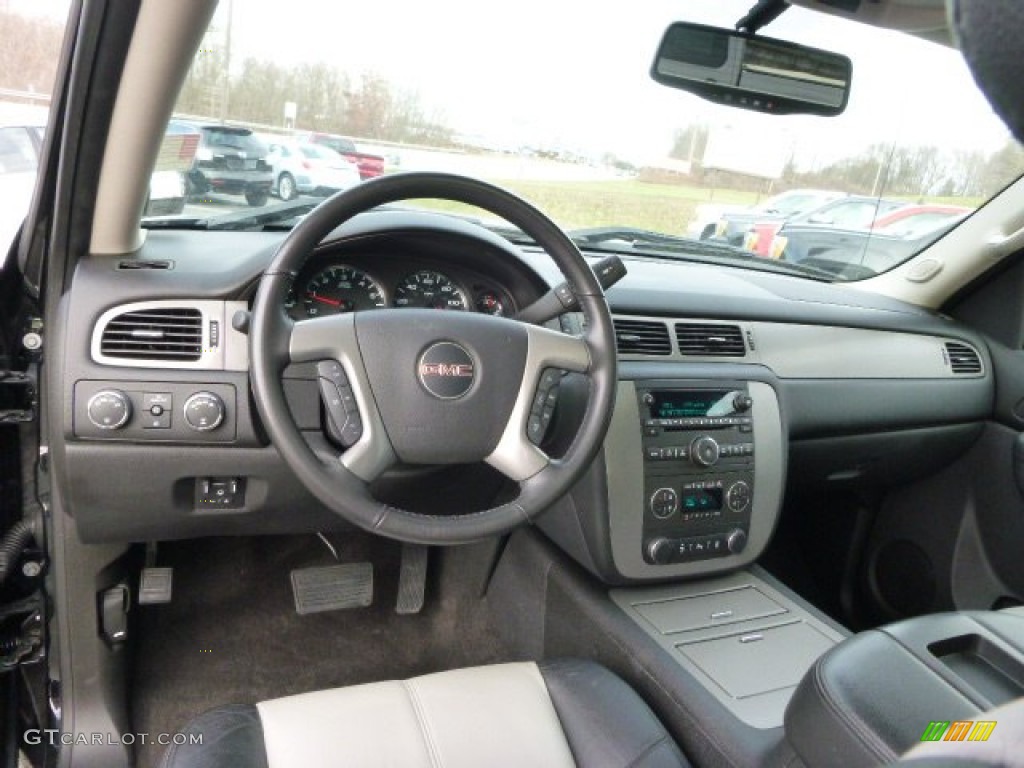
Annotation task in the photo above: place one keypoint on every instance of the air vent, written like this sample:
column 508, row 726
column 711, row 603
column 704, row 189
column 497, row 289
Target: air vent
column 962, row 358
column 132, row 264
column 709, row 340
column 642, row 337
column 172, row 334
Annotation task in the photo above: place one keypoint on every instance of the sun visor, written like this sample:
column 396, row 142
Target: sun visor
column 923, row 18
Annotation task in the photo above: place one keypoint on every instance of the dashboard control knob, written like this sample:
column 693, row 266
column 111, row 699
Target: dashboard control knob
column 661, row 550
column 742, row 402
column 648, row 398
column 704, row 451
column 109, row 409
column 736, row 541
column 204, row 411
column 738, row 496
column 664, row 502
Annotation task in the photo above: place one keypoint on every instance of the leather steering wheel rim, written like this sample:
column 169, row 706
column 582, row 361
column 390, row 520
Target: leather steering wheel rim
column 342, row 482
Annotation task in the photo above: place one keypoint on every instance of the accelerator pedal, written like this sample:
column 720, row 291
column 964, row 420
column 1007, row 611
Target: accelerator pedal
column 332, row 587
column 412, row 579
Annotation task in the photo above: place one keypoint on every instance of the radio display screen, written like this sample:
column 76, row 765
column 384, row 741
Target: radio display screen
column 691, row 403
column 700, row 500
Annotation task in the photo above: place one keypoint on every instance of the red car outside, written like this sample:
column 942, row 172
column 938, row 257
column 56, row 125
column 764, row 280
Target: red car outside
column 369, row 165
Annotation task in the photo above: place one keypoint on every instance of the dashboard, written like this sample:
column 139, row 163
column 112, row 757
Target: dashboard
column 733, row 386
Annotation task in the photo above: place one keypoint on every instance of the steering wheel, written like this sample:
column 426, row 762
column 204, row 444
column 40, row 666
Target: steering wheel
column 431, row 387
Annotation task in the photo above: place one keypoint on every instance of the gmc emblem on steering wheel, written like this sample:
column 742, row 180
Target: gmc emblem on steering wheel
column 446, row 370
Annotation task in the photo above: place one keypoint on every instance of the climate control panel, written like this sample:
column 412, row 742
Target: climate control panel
column 698, row 459
column 166, row 411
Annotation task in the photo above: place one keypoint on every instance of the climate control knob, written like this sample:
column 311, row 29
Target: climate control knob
column 664, row 503
column 736, row 541
column 204, row 411
column 704, row 451
column 660, row 551
column 109, row 409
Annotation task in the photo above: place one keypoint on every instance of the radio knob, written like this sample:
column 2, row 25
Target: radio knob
column 204, row 411
column 109, row 409
column 664, row 503
column 742, row 402
column 736, row 541
column 738, row 496
column 704, row 451
column 661, row 550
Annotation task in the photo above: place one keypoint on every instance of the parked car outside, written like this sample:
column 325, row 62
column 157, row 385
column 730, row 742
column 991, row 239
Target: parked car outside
column 309, row 169
column 231, row 161
column 798, row 240
column 853, row 212
column 732, row 227
column 369, row 165
column 706, row 217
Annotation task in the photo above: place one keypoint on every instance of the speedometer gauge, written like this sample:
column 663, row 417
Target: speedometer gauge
column 338, row 289
column 430, row 290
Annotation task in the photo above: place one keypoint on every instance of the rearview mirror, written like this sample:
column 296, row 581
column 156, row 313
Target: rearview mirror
column 752, row 72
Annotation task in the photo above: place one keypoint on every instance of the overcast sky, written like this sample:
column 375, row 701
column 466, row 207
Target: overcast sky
column 576, row 72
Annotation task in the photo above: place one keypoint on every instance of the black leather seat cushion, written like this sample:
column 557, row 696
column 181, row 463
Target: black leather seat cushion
column 605, row 724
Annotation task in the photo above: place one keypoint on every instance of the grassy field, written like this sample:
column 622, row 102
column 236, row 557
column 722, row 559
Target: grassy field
column 659, row 207
column 577, row 204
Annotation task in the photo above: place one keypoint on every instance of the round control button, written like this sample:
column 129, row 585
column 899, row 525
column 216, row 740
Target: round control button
column 660, row 551
column 664, row 502
column 109, row 409
column 204, row 411
column 704, row 451
column 742, row 402
column 737, row 541
column 738, row 496
column 156, row 410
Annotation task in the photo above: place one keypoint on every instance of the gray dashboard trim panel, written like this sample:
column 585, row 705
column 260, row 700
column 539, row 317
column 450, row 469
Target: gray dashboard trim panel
column 624, row 461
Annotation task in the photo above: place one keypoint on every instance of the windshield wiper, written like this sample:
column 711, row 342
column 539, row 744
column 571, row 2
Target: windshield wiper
column 636, row 241
column 271, row 216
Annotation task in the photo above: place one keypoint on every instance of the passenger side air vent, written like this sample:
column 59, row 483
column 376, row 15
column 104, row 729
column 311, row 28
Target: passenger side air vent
column 133, row 264
column 642, row 337
column 171, row 334
column 962, row 358
column 710, row 340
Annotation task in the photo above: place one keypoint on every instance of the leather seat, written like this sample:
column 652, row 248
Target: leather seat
column 553, row 714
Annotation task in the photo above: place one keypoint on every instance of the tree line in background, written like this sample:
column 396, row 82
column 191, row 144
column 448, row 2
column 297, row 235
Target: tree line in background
column 27, row 52
column 326, row 99
column 884, row 169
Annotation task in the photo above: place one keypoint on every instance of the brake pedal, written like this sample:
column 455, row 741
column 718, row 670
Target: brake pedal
column 332, row 587
column 412, row 579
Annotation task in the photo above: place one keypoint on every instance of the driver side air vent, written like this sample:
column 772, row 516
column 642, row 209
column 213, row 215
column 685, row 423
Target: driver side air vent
column 710, row 340
column 962, row 358
column 171, row 334
column 642, row 337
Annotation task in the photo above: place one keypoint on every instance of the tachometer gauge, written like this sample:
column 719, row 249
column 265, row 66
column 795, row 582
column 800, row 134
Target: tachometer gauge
column 338, row 289
column 430, row 290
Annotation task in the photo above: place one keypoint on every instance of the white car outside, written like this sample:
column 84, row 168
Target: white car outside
column 310, row 169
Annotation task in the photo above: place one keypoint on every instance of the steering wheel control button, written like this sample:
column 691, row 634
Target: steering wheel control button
column 109, row 409
column 544, row 402
column 446, row 370
column 204, row 411
column 704, row 451
column 664, row 503
column 738, row 496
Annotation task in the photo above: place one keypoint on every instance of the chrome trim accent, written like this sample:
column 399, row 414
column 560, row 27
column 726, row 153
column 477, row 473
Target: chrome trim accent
column 514, row 455
column 231, row 353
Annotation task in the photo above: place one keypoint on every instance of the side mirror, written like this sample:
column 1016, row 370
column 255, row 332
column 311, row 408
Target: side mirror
column 752, row 72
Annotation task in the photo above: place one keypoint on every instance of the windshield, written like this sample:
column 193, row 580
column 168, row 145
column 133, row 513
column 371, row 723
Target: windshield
column 558, row 106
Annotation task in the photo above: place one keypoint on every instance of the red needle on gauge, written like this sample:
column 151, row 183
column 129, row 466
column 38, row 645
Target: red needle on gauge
column 325, row 300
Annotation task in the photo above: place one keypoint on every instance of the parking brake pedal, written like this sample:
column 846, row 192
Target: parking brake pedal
column 155, row 585
column 412, row 580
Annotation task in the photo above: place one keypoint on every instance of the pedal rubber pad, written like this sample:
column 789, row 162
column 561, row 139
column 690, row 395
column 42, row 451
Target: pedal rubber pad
column 332, row 587
column 155, row 586
column 412, row 579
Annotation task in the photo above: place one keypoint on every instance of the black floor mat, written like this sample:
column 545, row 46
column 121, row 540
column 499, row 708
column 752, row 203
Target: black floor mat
column 231, row 633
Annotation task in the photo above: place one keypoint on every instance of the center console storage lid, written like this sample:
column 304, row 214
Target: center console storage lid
column 872, row 697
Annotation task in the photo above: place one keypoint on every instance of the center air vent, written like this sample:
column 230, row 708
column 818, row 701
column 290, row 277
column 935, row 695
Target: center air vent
column 710, row 340
column 642, row 337
column 962, row 358
column 171, row 334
